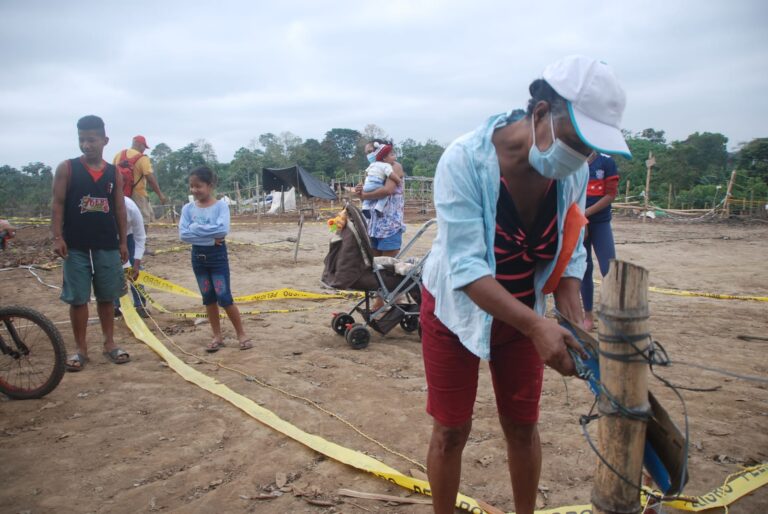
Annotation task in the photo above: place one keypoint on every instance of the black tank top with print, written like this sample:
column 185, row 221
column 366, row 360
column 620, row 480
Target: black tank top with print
column 89, row 209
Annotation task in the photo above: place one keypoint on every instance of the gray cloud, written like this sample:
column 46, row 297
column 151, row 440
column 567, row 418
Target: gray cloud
column 233, row 70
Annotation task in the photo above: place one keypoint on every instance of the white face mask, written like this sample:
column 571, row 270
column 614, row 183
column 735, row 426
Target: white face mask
column 556, row 162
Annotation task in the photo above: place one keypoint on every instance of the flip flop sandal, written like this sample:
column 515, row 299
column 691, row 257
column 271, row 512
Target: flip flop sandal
column 116, row 356
column 214, row 346
column 247, row 344
column 80, row 359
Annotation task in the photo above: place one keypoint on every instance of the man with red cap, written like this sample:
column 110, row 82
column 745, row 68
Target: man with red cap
column 142, row 174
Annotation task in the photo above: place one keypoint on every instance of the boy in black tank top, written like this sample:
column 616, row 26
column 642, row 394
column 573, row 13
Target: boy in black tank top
column 88, row 224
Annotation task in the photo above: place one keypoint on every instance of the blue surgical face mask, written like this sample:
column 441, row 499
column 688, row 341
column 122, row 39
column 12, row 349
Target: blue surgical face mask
column 371, row 157
column 556, row 162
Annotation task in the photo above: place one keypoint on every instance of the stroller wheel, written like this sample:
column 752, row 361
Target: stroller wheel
column 340, row 321
column 409, row 323
column 358, row 336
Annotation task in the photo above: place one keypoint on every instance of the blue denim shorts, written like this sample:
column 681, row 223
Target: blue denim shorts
column 211, row 267
column 386, row 244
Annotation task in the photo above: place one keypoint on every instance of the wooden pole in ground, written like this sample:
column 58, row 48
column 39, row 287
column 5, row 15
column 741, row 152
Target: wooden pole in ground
column 237, row 198
column 298, row 237
column 624, row 376
column 648, row 165
column 727, row 206
column 752, row 202
column 669, row 197
column 626, row 192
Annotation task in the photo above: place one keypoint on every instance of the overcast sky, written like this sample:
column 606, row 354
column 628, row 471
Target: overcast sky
column 228, row 72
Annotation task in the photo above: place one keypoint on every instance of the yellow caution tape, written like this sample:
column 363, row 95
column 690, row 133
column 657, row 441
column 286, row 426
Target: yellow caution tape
column 22, row 218
column 285, row 244
column 735, row 486
column 194, row 315
column 172, row 249
column 153, row 281
column 287, row 293
column 269, row 221
column 339, row 453
column 718, row 296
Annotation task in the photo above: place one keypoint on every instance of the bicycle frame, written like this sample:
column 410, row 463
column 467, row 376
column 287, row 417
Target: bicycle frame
column 22, row 349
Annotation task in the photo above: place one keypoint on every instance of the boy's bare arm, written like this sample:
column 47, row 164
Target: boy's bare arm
column 60, row 180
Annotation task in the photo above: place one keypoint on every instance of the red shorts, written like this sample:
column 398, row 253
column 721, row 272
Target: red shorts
column 517, row 371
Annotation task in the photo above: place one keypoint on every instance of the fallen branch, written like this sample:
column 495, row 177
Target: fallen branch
column 383, row 497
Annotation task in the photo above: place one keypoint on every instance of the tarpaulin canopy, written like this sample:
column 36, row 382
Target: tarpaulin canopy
column 277, row 179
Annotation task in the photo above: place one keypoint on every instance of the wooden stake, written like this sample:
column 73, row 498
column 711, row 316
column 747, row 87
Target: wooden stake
column 623, row 317
column 669, row 197
column 237, row 198
column 626, row 192
column 727, row 206
column 298, row 237
column 648, row 165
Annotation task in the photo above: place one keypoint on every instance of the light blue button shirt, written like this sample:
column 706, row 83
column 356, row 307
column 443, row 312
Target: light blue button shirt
column 466, row 191
column 203, row 225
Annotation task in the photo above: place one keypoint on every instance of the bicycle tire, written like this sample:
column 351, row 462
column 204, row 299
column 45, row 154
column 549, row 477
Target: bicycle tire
column 58, row 350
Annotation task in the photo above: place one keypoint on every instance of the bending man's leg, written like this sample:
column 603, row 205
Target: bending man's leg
column 444, row 464
column 524, row 458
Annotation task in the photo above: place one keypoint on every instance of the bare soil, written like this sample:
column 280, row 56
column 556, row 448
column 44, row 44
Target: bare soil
column 138, row 438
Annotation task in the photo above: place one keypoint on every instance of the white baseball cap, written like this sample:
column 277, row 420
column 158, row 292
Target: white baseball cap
column 595, row 98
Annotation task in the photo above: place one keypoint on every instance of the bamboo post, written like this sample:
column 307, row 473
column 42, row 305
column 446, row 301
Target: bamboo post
column 237, row 198
column 751, row 202
column 626, row 192
column 669, row 197
column 621, row 429
column 298, row 238
column 727, row 205
column 648, row 165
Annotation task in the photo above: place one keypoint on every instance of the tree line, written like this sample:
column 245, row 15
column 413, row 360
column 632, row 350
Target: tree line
column 694, row 170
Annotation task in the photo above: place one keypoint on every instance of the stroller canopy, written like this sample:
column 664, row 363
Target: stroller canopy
column 277, row 179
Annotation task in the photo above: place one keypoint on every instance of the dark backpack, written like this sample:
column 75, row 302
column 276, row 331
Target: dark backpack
column 125, row 168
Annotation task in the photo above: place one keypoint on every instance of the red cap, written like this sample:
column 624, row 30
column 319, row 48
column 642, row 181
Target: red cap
column 140, row 139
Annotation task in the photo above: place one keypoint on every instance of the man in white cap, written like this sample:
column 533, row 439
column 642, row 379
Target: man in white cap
column 510, row 198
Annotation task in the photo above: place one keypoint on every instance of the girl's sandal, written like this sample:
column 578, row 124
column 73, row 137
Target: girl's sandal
column 214, row 346
column 247, row 344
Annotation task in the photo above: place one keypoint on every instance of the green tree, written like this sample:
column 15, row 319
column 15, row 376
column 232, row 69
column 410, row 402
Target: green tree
column 173, row 170
column 25, row 192
column 345, row 141
column 700, row 159
column 420, row 159
column 274, row 151
column 245, row 168
column 753, row 158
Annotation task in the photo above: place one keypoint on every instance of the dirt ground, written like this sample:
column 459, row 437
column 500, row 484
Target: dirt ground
column 138, row 438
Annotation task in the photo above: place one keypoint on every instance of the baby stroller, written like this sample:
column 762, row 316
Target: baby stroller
column 350, row 265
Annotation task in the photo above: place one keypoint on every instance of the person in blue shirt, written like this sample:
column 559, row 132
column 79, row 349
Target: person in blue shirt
column 601, row 192
column 205, row 224
column 509, row 198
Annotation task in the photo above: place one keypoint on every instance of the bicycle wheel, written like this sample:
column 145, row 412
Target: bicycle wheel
column 32, row 353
